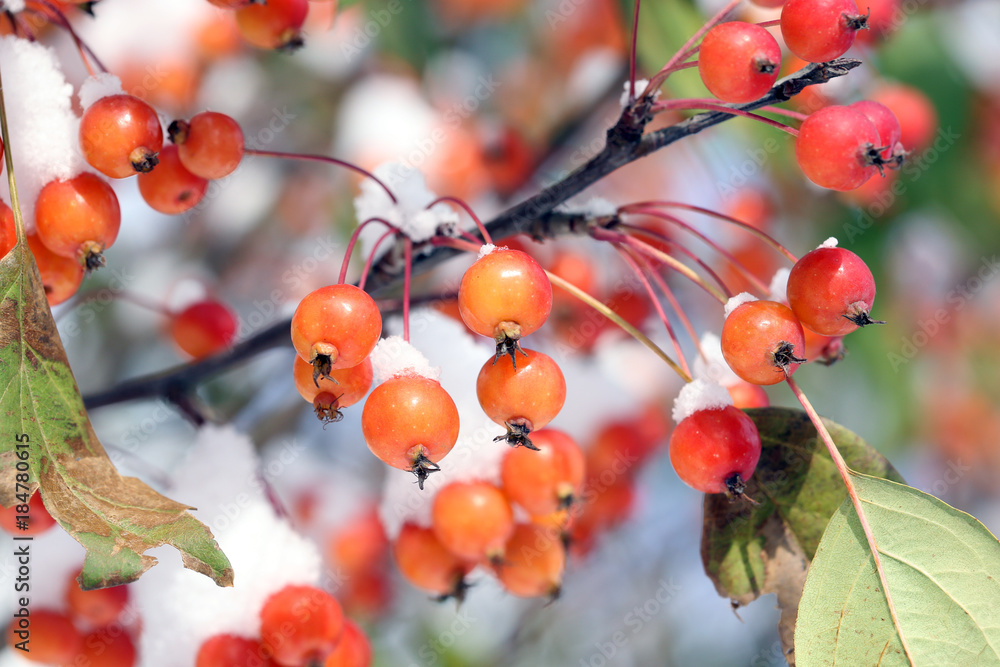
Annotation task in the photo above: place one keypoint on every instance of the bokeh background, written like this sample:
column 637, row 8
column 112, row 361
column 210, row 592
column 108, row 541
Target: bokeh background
column 493, row 100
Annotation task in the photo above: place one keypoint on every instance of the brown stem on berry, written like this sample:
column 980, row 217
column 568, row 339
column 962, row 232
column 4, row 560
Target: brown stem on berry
column 91, row 255
column 457, row 593
column 324, row 356
column 784, row 356
column 566, row 497
column 178, row 131
column 736, row 487
column 423, row 467
column 857, row 22
column 327, row 408
column 508, row 336
column 858, row 313
column 517, row 434
column 143, row 160
column 764, row 65
column 832, row 352
column 291, row 41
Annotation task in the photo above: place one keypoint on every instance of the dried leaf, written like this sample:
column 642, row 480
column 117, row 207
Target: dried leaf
column 750, row 550
column 117, row 519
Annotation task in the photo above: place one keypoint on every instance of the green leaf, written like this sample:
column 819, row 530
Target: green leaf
column 117, row 519
column 943, row 570
column 750, row 550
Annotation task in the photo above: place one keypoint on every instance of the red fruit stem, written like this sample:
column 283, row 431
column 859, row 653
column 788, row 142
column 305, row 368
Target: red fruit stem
column 457, row 244
column 663, row 238
column 325, row 159
column 654, row 299
column 371, row 258
column 769, row 23
column 737, row 264
column 785, row 112
column 845, row 474
column 669, row 293
column 91, row 295
column 764, row 236
column 632, row 51
column 64, row 23
column 353, row 240
column 407, row 276
column 468, row 209
column 682, row 53
column 468, row 236
column 657, row 254
column 715, row 105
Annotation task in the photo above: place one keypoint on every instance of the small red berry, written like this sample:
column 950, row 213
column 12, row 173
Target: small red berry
column 275, row 25
column 761, row 340
column 533, row 562
column 820, row 30
column 411, row 423
column 506, row 295
column 738, row 61
column 473, row 520
column 300, row 625
column 171, row 188
column 329, row 395
column 210, row 145
column 546, row 480
column 231, row 651
column 831, row 291
column 39, row 519
column 120, row 135
column 203, row 328
column 427, row 564
column 837, row 148
column 336, row 326
column 61, row 276
column 716, row 450
column 78, row 218
column 524, row 398
column 353, row 649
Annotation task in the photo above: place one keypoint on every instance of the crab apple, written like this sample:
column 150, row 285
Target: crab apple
column 831, row 291
column 54, row 639
column 760, row 340
column 411, row 423
column 8, row 232
column 888, row 128
column 610, row 503
column 275, row 25
column 715, row 450
column 428, row 564
column 203, row 328
column 838, row 148
column 546, row 480
column 747, row 395
column 473, row 520
column 106, row 648
column 300, row 624
column 210, row 145
column 533, row 562
column 826, row 350
column 820, row 30
column 523, row 398
column 360, row 544
column 918, row 120
column 61, row 276
column 39, row 519
column 120, row 136
column 353, row 649
column 335, row 326
column 231, row 651
column 78, row 218
column 171, row 188
column 738, row 62
column 505, row 294
column 342, row 388
column 99, row 607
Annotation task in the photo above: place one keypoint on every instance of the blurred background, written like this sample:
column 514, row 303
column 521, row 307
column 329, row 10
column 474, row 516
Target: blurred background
column 493, row 100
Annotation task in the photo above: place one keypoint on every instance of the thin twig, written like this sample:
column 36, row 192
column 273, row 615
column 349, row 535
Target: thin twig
column 845, row 474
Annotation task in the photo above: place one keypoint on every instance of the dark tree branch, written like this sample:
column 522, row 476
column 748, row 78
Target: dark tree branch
column 536, row 216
